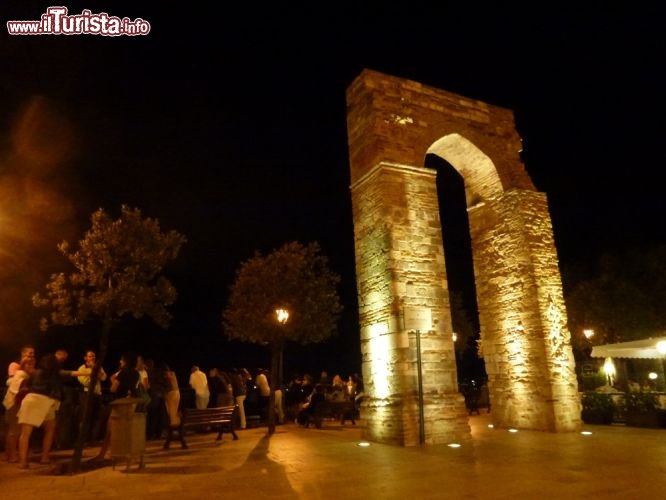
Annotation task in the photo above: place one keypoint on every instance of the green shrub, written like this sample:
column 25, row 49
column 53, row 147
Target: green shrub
column 641, row 402
column 598, row 408
column 598, row 402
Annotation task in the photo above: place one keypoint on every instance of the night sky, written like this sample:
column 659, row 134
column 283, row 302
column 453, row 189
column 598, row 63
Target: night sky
column 229, row 126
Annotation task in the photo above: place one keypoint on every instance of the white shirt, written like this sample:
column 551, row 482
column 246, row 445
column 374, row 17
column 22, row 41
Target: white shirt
column 199, row 383
column 262, row 384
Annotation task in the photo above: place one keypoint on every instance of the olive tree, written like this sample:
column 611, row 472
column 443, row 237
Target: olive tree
column 294, row 279
column 116, row 272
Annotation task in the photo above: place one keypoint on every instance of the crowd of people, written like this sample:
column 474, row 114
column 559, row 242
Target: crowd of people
column 69, row 405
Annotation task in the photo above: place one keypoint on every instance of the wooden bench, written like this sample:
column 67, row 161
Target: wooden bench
column 335, row 410
column 222, row 418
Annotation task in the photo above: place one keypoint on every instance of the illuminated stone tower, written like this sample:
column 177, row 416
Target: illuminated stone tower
column 409, row 367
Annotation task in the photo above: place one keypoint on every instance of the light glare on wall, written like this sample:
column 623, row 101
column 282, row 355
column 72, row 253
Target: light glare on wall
column 379, row 347
column 378, row 329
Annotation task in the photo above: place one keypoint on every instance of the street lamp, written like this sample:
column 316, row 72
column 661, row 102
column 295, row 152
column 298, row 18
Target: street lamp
column 282, row 315
column 589, row 333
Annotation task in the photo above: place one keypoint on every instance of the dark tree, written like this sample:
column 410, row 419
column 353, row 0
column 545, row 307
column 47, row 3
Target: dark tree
column 117, row 272
column 296, row 279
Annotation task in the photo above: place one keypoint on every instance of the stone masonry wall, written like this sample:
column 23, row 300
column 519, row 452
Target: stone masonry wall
column 400, row 263
column 394, row 120
column 526, row 345
column 392, row 124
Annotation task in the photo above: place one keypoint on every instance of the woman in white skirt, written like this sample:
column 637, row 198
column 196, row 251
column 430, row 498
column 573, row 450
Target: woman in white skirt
column 39, row 407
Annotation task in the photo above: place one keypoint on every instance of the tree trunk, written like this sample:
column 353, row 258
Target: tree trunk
column 86, row 421
column 276, row 354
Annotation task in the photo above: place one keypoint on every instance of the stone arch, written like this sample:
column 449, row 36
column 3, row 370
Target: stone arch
column 477, row 169
column 408, row 356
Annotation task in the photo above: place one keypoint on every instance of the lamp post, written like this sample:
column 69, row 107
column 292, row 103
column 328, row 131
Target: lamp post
column 588, row 333
column 277, row 346
column 282, row 316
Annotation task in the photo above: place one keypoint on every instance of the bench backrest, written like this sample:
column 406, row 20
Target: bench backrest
column 192, row 416
column 335, row 406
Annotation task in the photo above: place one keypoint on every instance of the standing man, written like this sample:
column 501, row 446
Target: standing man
column 66, row 414
column 93, row 394
column 61, row 356
column 261, row 381
column 199, row 383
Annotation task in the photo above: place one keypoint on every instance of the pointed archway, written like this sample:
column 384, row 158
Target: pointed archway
column 406, row 336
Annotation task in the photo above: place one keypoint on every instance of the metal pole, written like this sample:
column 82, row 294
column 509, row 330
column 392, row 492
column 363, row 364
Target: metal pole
column 420, row 382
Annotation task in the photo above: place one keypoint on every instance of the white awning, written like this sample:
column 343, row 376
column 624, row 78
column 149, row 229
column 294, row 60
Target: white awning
column 643, row 349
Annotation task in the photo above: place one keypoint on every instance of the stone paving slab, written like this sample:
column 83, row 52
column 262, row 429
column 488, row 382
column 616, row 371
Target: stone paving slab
column 297, row 463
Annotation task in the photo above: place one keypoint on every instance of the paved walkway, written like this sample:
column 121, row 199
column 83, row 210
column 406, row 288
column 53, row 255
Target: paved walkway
column 297, row 463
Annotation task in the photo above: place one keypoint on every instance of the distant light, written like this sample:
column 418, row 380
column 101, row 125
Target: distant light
column 588, row 333
column 652, row 376
column 455, row 336
column 363, row 444
column 454, row 445
column 609, row 367
column 513, row 430
column 586, row 433
column 609, row 370
column 661, row 346
column 491, row 426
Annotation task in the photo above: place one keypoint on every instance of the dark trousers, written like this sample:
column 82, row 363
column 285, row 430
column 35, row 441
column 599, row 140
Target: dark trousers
column 98, row 416
column 67, row 421
column 263, row 407
column 156, row 417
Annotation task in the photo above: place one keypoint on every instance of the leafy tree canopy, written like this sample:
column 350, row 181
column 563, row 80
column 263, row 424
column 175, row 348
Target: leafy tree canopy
column 624, row 300
column 117, row 272
column 294, row 277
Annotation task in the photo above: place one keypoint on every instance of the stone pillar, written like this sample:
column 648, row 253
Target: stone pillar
column 400, row 264
column 392, row 125
column 525, row 341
